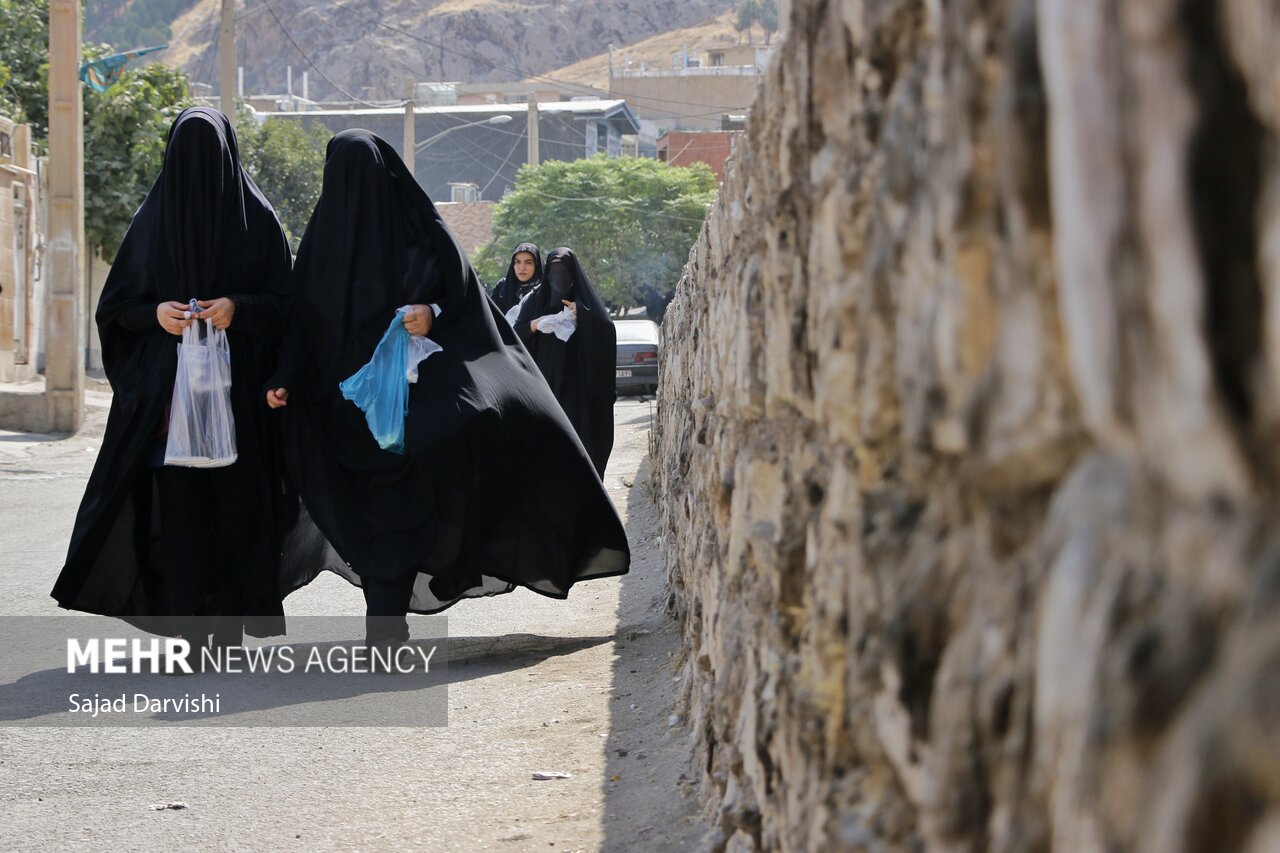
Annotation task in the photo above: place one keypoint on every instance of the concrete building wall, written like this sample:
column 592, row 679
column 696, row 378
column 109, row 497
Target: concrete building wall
column 19, row 239
column 686, row 101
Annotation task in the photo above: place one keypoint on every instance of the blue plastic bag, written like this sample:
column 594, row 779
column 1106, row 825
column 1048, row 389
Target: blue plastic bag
column 381, row 389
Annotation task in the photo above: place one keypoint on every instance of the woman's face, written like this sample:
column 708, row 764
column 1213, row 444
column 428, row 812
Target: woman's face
column 524, row 265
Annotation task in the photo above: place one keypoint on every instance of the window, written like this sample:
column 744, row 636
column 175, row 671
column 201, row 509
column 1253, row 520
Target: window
column 464, row 193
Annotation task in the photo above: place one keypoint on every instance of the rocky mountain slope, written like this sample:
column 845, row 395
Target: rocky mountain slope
column 369, row 48
column 655, row 51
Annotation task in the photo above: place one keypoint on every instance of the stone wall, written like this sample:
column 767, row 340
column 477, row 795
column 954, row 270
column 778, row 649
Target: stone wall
column 968, row 434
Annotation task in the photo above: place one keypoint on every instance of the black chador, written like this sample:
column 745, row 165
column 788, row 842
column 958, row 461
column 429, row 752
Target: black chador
column 493, row 489
column 183, row 550
column 580, row 370
column 508, row 292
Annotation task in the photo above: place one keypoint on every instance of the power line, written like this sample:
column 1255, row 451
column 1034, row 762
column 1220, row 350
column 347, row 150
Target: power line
column 311, row 63
column 498, row 171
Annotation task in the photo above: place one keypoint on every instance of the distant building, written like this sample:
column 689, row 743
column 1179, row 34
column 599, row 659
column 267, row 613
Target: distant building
column 684, row 147
column 643, row 143
column 694, row 93
column 518, row 93
column 477, row 152
column 470, row 221
column 21, row 299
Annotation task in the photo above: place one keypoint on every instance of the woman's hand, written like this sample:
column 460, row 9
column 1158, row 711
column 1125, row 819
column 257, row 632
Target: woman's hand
column 417, row 320
column 217, row 311
column 172, row 317
column 572, row 306
column 278, row 397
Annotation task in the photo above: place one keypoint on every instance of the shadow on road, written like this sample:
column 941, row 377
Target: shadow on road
column 650, row 804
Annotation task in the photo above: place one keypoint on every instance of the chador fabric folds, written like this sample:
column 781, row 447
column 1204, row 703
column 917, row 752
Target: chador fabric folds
column 580, row 370
column 163, row 547
column 508, row 292
column 493, row 488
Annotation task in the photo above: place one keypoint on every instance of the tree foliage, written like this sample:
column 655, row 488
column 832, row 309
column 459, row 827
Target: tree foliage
column 762, row 12
column 124, row 131
column 124, row 127
column 630, row 220
column 287, row 163
column 24, row 62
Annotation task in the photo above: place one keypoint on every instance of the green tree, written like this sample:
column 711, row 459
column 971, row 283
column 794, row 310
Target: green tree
column 287, row 163
column 24, row 56
column 630, row 220
column 767, row 17
column 748, row 16
column 125, row 129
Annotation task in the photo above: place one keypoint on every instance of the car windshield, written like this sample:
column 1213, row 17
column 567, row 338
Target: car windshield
column 637, row 331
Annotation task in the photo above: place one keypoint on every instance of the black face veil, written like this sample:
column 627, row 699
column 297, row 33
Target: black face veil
column 202, row 206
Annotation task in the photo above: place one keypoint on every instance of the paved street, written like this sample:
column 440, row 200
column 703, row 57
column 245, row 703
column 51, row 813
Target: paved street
column 581, row 687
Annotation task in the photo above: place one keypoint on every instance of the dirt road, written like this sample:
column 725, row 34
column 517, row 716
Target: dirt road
column 581, row 687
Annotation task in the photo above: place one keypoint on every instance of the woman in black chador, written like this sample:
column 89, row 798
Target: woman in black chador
column 493, row 488
column 524, row 273
column 187, row 551
column 577, row 357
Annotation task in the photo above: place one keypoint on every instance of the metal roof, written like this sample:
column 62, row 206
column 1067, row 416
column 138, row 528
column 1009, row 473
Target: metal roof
column 616, row 111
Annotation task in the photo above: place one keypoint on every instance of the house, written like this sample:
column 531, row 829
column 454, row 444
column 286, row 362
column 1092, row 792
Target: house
column 684, row 147
column 469, row 218
column 693, row 93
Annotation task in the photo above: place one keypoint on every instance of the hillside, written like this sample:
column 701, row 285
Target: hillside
column 655, row 51
column 369, row 48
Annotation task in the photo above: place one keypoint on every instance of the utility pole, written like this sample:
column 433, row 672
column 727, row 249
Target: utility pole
column 409, row 154
column 533, row 129
column 227, row 60
column 64, row 318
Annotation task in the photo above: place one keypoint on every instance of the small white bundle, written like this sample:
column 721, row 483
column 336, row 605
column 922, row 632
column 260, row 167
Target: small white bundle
column 562, row 325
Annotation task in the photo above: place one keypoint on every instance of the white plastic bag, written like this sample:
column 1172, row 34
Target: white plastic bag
column 514, row 314
column 419, row 348
column 202, row 431
column 562, row 325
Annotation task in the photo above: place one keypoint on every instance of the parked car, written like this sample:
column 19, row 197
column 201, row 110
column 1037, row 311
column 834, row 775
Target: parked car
column 637, row 368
